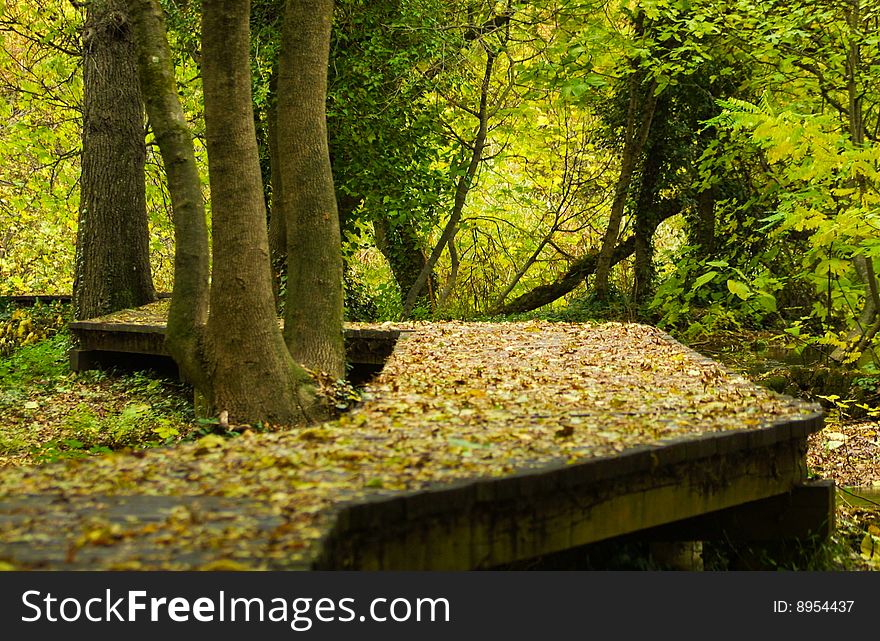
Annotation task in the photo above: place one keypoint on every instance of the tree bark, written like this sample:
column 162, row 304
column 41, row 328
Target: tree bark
column 639, row 117
column 238, row 357
column 113, row 238
column 314, row 304
column 188, row 312
column 252, row 374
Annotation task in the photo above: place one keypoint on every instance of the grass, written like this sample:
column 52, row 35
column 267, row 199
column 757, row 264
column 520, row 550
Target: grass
column 48, row 414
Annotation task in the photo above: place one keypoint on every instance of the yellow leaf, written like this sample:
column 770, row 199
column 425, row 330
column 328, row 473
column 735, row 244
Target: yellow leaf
column 210, row 442
column 225, row 565
column 871, row 548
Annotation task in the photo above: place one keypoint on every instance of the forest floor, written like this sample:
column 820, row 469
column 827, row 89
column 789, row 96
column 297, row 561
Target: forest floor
column 48, row 414
column 847, row 451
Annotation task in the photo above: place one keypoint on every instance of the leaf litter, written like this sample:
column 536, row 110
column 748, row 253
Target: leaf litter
column 455, row 401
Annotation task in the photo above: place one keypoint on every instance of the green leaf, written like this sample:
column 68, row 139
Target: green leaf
column 767, row 301
column 705, row 278
column 741, row 290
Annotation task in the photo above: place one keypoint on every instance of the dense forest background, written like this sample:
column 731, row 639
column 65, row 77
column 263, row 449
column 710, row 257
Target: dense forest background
column 703, row 165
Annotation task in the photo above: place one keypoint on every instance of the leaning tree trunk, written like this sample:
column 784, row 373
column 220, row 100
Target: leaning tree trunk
column 583, row 268
column 640, row 114
column 314, row 304
column 252, row 374
column 113, row 240
column 189, row 302
column 400, row 246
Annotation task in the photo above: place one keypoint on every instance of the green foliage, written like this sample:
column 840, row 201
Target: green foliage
column 40, row 94
column 135, row 425
column 65, row 449
column 44, row 361
column 48, row 414
column 385, row 135
column 20, row 326
column 701, row 296
column 360, row 305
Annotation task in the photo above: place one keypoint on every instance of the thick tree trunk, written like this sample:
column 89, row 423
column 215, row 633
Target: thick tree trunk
column 314, row 305
column 113, row 241
column 252, row 374
column 237, row 359
column 189, row 302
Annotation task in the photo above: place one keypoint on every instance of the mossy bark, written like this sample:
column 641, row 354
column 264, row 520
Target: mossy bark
column 400, row 244
column 234, row 350
column 188, row 312
column 314, row 302
column 252, row 374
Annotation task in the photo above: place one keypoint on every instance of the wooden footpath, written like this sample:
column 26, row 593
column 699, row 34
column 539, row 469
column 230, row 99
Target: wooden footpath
column 479, row 446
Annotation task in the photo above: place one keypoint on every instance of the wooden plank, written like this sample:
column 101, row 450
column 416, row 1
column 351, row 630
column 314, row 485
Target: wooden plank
column 503, row 532
column 363, row 346
column 617, row 473
column 805, row 512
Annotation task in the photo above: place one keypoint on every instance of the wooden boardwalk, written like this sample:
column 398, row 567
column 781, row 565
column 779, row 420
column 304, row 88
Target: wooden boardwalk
column 480, row 445
column 135, row 339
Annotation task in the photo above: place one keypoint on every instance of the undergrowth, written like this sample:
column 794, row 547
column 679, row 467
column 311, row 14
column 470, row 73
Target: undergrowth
column 48, row 414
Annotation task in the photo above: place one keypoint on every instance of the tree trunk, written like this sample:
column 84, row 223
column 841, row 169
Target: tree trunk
column 639, row 117
column 400, row 246
column 314, row 305
column 862, row 334
column 463, row 188
column 454, row 265
column 580, row 270
column 113, row 239
column 189, row 302
column 252, row 374
column 499, row 300
column 237, row 359
column 645, row 219
column 704, row 225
